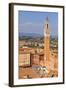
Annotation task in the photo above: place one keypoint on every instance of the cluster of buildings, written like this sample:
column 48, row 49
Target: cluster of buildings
column 30, row 43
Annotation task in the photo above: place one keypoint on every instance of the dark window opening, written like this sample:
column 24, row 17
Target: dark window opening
column 47, row 25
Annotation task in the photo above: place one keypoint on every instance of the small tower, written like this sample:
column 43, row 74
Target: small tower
column 47, row 44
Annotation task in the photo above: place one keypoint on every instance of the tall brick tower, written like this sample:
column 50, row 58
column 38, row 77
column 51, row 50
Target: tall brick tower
column 47, row 56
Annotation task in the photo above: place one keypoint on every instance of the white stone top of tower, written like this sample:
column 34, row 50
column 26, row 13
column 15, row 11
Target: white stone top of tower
column 46, row 27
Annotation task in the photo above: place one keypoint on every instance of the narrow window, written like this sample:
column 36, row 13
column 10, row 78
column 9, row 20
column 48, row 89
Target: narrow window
column 47, row 25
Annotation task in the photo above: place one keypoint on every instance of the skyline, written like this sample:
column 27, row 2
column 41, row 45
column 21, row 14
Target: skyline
column 33, row 22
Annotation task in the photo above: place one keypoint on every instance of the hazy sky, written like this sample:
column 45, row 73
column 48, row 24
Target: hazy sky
column 32, row 22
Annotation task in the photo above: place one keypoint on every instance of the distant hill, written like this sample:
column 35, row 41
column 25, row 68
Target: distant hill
column 34, row 35
column 54, row 36
column 30, row 35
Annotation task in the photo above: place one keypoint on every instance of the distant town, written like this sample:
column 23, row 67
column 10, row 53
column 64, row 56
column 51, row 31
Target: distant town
column 36, row 42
